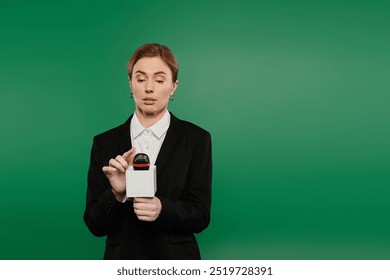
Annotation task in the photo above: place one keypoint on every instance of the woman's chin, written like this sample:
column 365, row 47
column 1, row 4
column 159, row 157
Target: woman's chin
column 150, row 110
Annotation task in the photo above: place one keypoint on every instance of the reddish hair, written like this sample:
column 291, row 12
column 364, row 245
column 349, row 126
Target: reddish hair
column 154, row 50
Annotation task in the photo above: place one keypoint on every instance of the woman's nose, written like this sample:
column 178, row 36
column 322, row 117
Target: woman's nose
column 149, row 87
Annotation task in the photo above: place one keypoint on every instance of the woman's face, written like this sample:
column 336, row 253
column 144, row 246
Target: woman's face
column 152, row 85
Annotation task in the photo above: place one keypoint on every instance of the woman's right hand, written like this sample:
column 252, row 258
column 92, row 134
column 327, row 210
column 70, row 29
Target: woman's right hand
column 116, row 172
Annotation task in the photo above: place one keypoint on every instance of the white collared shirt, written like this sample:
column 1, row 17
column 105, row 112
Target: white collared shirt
column 149, row 140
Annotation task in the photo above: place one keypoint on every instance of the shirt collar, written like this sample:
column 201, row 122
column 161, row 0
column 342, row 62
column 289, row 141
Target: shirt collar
column 158, row 128
column 136, row 127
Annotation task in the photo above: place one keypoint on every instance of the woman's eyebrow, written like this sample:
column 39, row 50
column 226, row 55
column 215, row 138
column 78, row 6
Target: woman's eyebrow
column 141, row 72
column 155, row 74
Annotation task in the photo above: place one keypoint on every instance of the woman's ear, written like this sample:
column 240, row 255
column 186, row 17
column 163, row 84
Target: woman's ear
column 131, row 88
column 175, row 85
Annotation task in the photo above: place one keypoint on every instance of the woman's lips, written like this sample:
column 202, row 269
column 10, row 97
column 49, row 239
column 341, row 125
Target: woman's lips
column 149, row 101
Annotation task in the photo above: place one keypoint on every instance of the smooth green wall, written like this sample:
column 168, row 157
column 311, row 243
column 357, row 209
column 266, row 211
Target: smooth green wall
column 295, row 94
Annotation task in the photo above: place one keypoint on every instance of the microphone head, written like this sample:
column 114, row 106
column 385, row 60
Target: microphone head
column 141, row 162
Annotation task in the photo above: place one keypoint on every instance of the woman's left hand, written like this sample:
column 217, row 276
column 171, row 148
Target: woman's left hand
column 147, row 208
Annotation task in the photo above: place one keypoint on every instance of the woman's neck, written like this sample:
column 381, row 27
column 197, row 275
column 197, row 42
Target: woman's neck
column 148, row 120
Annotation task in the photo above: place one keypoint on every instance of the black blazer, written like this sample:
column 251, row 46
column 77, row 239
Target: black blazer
column 184, row 170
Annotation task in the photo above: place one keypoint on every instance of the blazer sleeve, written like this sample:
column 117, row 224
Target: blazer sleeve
column 192, row 212
column 102, row 209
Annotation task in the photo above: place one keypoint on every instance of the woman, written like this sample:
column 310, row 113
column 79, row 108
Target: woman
column 161, row 227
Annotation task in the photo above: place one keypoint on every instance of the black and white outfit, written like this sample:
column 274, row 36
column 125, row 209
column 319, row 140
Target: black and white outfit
column 182, row 153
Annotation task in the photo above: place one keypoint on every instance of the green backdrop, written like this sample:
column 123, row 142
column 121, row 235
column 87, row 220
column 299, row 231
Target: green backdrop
column 295, row 94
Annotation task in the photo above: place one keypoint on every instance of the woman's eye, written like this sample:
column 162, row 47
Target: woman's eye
column 159, row 81
column 140, row 80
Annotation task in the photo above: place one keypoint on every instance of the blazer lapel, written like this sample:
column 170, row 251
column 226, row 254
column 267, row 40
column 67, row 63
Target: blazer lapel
column 168, row 144
column 124, row 137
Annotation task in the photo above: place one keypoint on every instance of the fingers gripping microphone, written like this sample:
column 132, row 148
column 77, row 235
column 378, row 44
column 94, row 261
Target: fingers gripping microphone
column 141, row 162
